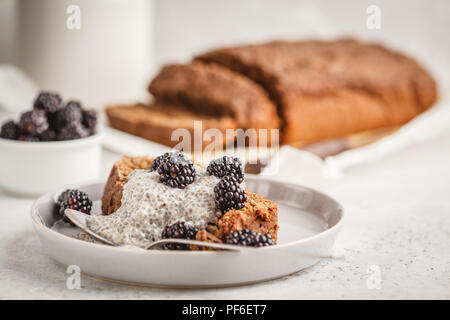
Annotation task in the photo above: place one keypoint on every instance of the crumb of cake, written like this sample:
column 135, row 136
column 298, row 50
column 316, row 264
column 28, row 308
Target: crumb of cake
column 204, row 235
column 258, row 214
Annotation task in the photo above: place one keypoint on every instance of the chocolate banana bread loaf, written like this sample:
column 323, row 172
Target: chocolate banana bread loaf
column 326, row 89
column 311, row 90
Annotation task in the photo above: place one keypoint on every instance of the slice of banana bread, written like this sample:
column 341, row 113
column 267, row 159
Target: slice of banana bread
column 328, row 89
column 215, row 90
column 158, row 121
column 258, row 214
column 221, row 99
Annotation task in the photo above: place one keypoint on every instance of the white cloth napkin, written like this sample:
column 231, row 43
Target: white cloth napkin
column 297, row 166
column 17, row 90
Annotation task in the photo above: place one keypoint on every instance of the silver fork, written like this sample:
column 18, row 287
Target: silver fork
column 79, row 219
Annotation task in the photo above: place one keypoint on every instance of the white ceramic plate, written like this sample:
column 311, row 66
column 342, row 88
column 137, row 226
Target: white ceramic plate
column 309, row 222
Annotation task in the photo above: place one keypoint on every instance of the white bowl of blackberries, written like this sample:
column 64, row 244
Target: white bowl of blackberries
column 53, row 144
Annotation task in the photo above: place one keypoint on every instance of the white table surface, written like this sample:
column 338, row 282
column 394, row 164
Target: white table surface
column 397, row 222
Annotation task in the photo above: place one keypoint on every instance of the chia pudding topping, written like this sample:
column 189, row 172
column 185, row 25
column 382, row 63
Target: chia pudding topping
column 148, row 206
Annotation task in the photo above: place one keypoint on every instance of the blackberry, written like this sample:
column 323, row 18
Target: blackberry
column 73, row 199
column 51, row 118
column 226, row 166
column 158, row 160
column 72, row 131
column 74, row 104
column 178, row 230
column 175, row 170
column 10, row 130
column 249, row 238
column 48, row 101
column 70, row 113
column 264, row 240
column 89, row 120
column 33, row 122
column 229, row 194
column 48, row 135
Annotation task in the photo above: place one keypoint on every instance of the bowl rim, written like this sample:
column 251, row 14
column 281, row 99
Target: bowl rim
column 81, row 142
column 39, row 224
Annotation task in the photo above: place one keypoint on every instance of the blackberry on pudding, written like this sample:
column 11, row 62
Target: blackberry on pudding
column 52, row 120
column 226, row 166
column 229, row 195
column 75, row 200
column 176, row 171
column 138, row 209
column 159, row 159
column 179, row 230
column 249, row 238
